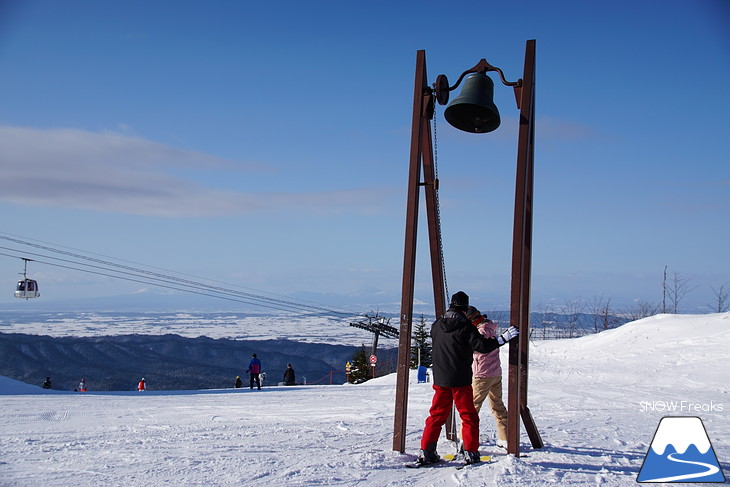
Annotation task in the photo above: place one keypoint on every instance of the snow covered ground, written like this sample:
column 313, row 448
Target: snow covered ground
column 597, row 402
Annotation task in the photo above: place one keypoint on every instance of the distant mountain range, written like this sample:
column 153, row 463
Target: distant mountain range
column 204, row 350
column 169, row 362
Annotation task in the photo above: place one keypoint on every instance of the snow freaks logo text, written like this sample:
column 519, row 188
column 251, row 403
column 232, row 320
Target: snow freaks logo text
column 681, row 452
column 679, row 407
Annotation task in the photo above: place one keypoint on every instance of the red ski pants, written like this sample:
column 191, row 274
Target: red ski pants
column 463, row 398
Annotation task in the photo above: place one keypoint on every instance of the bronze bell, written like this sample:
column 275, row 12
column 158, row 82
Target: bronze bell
column 474, row 109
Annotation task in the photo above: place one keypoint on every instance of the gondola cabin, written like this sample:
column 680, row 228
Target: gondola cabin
column 27, row 289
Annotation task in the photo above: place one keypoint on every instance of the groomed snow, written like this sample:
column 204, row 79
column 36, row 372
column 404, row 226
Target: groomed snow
column 596, row 400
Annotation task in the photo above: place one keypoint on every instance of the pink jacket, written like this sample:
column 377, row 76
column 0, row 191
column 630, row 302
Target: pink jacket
column 487, row 364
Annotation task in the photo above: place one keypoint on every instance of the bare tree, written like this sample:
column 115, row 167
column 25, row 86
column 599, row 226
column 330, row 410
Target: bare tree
column 603, row 318
column 544, row 319
column 664, row 290
column 573, row 310
column 641, row 309
column 675, row 290
column 721, row 305
column 500, row 317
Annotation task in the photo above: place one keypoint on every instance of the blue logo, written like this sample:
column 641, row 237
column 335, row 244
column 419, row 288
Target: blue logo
column 681, row 452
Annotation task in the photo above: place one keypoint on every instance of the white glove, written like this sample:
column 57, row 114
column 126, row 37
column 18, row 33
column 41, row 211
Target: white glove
column 508, row 335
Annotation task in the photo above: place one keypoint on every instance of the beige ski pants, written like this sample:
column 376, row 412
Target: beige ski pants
column 491, row 387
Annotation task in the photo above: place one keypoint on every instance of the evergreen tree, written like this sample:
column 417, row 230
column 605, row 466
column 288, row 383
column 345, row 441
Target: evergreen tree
column 422, row 342
column 360, row 367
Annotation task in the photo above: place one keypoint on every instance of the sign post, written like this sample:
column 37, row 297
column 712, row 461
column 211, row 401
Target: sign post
column 373, row 361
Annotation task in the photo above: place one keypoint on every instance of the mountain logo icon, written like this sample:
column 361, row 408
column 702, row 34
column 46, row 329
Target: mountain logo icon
column 681, row 452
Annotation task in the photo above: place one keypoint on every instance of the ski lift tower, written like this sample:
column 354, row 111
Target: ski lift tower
column 377, row 325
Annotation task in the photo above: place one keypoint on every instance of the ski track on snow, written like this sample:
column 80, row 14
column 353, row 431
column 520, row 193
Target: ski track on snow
column 585, row 405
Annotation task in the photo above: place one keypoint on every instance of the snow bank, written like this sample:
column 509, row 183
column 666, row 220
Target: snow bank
column 11, row 386
column 659, row 330
column 672, row 350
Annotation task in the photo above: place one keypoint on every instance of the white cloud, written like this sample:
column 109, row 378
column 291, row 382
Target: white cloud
column 72, row 168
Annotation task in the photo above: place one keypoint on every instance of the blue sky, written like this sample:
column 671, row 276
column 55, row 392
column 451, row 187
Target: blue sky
column 265, row 144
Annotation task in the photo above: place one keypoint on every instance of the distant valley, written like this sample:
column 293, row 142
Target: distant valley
column 168, row 362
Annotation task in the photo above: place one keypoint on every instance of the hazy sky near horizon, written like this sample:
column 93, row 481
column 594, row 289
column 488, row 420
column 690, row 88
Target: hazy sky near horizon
column 265, row 144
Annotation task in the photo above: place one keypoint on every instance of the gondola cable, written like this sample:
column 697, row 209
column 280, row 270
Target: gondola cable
column 17, row 239
column 159, row 278
column 200, row 291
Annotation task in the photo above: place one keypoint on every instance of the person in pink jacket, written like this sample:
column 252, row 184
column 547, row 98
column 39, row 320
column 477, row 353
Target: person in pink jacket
column 487, row 376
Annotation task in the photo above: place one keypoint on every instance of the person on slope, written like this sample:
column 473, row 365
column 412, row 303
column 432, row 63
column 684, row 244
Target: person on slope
column 454, row 340
column 487, row 376
column 142, row 386
column 47, row 383
column 238, row 383
column 82, row 385
column 289, row 377
column 254, row 369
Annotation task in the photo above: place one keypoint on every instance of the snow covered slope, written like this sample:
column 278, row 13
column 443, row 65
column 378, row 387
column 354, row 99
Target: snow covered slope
column 12, row 386
column 597, row 402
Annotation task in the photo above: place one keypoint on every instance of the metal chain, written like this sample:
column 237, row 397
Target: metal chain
column 453, row 415
column 438, row 206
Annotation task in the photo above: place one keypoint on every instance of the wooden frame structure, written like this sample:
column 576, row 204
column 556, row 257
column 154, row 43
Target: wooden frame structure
column 421, row 155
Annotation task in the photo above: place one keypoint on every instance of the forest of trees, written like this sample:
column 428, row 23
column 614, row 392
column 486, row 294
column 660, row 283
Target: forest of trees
column 421, row 349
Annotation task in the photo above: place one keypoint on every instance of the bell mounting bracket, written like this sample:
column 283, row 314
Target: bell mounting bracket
column 442, row 88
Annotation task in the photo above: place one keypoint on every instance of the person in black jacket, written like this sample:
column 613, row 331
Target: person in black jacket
column 289, row 377
column 454, row 340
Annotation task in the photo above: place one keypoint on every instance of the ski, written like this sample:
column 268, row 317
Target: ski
column 464, row 465
column 415, row 464
column 451, row 456
column 448, row 460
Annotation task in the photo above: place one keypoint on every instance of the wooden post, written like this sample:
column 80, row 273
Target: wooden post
column 421, row 152
column 522, row 263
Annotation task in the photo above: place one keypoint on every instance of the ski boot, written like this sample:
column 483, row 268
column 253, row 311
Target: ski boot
column 426, row 457
column 472, row 457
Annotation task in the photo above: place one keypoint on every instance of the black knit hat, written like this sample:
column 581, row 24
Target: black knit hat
column 460, row 301
column 472, row 313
